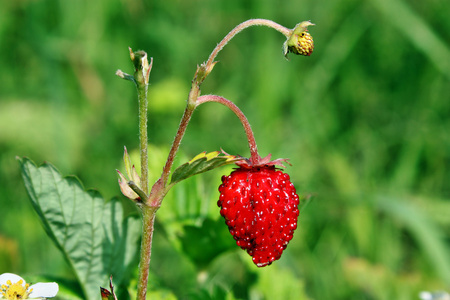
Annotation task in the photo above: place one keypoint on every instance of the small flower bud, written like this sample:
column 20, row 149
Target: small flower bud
column 304, row 45
column 300, row 41
column 141, row 65
column 203, row 71
column 131, row 187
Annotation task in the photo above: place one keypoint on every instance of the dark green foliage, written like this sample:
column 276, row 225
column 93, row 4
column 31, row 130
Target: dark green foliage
column 203, row 243
column 95, row 236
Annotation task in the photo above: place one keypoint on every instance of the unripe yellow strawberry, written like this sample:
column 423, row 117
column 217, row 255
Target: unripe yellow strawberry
column 304, row 44
column 300, row 41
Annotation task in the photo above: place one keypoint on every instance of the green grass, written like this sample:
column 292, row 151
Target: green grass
column 365, row 121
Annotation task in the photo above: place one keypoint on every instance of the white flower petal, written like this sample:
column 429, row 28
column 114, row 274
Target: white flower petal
column 10, row 276
column 425, row 296
column 44, row 289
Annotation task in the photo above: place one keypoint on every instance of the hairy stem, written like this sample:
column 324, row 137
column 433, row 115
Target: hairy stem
column 143, row 136
column 141, row 79
column 190, row 107
column 254, row 156
column 148, row 217
column 195, row 92
column 252, row 22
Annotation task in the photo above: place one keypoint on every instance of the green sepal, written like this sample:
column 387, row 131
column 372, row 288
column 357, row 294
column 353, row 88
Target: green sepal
column 201, row 163
column 203, row 71
column 134, row 192
column 106, row 294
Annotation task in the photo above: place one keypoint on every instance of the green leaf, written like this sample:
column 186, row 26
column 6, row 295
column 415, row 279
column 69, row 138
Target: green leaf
column 203, row 243
column 201, row 163
column 95, row 237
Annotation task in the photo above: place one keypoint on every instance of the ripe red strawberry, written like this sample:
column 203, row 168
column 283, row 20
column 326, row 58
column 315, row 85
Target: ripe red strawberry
column 260, row 207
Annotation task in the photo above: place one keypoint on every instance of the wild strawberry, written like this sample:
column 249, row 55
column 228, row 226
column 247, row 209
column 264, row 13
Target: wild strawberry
column 300, row 41
column 304, row 44
column 260, row 207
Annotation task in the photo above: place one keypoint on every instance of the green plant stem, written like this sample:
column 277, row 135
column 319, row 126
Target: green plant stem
column 148, row 213
column 148, row 216
column 141, row 79
column 254, row 156
column 157, row 194
column 143, row 135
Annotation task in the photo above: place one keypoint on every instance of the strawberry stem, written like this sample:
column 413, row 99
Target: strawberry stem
column 254, row 156
column 141, row 80
column 193, row 100
column 190, row 107
column 148, row 218
column 252, row 22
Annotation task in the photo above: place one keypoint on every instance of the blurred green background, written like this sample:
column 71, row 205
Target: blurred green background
column 365, row 121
